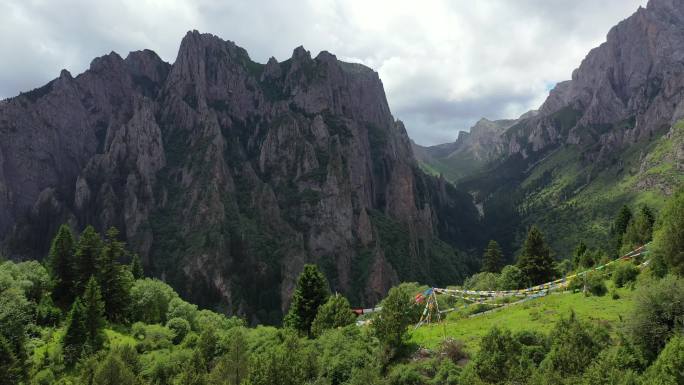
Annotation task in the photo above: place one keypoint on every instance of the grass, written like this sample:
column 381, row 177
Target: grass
column 538, row 315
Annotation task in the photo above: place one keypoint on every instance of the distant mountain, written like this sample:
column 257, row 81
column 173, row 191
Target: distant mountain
column 227, row 175
column 473, row 149
column 607, row 137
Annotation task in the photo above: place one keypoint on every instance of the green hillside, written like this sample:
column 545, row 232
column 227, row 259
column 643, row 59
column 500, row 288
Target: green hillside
column 538, row 314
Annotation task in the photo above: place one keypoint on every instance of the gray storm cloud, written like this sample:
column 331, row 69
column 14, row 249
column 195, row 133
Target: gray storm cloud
column 444, row 64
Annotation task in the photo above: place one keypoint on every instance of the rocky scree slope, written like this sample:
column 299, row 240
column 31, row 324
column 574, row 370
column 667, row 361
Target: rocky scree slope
column 227, row 175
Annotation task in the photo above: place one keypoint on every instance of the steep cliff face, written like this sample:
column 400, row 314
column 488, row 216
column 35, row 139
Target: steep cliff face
column 627, row 89
column 571, row 166
column 228, row 175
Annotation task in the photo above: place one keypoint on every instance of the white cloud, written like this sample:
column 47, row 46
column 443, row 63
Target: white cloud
column 444, row 63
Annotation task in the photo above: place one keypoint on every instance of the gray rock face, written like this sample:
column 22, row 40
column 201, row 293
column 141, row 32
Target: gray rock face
column 626, row 89
column 227, row 176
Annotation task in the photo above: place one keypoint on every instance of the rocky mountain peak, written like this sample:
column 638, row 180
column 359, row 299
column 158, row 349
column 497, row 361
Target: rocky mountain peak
column 227, row 175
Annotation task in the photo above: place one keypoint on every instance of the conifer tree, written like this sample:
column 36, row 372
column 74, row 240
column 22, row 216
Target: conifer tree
column 87, row 251
column 492, row 259
column 136, row 267
column 94, row 314
column 620, row 226
column 535, row 261
column 62, row 266
column 115, row 279
column 76, row 335
column 310, row 293
column 11, row 371
column 668, row 243
column 577, row 254
column 639, row 231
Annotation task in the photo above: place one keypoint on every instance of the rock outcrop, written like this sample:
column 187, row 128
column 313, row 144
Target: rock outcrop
column 227, row 175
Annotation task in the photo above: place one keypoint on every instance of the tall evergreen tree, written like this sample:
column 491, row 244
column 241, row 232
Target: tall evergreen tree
column 94, row 315
column 87, row 252
column 535, row 261
column 11, row 371
column 310, row 293
column 136, row 267
column 492, row 259
column 577, row 254
column 62, row 266
column 620, row 226
column 115, row 279
column 668, row 243
column 76, row 335
column 639, row 230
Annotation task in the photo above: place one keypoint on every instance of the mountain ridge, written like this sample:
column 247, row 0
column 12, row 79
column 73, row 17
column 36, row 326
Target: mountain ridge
column 228, row 175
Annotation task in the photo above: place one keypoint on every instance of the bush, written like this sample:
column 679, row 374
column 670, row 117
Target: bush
column 335, row 313
column 591, row 283
column 404, row 374
column 181, row 309
column 573, row 346
column 658, row 313
column 150, row 300
column 453, row 350
column 624, row 273
column 180, row 328
column 511, row 278
column 668, row 369
column 482, row 281
column 151, row 337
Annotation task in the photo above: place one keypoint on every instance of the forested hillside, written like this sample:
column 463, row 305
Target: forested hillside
column 610, row 136
column 83, row 317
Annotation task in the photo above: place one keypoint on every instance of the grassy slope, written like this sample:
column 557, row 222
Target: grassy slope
column 537, row 315
column 569, row 208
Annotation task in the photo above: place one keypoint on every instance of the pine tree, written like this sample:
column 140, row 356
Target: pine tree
column 136, row 267
column 492, row 259
column 310, row 293
column 535, row 261
column 87, row 251
column 577, row 254
column 62, row 265
column 639, row 231
column 620, row 226
column 115, row 279
column 11, row 371
column 76, row 335
column 668, row 244
column 233, row 366
column 94, row 314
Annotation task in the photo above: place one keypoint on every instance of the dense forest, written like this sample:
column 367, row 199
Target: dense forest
column 88, row 315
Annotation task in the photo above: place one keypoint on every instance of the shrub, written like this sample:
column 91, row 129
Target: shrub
column 181, row 309
column 511, row 278
column 668, row 369
column 180, row 328
column 151, row 337
column 150, row 300
column 573, row 346
column 335, row 313
column 624, row 273
column 482, row 281
column 453, row 349
column 658, row 313
column 404, row 374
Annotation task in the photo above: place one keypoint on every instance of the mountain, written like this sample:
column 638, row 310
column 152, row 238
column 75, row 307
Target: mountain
column 227, row 175
column 607, row 137
column 473, row 149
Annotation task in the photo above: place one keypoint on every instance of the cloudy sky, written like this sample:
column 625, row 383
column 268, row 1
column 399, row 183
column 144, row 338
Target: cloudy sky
column 444, row 63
